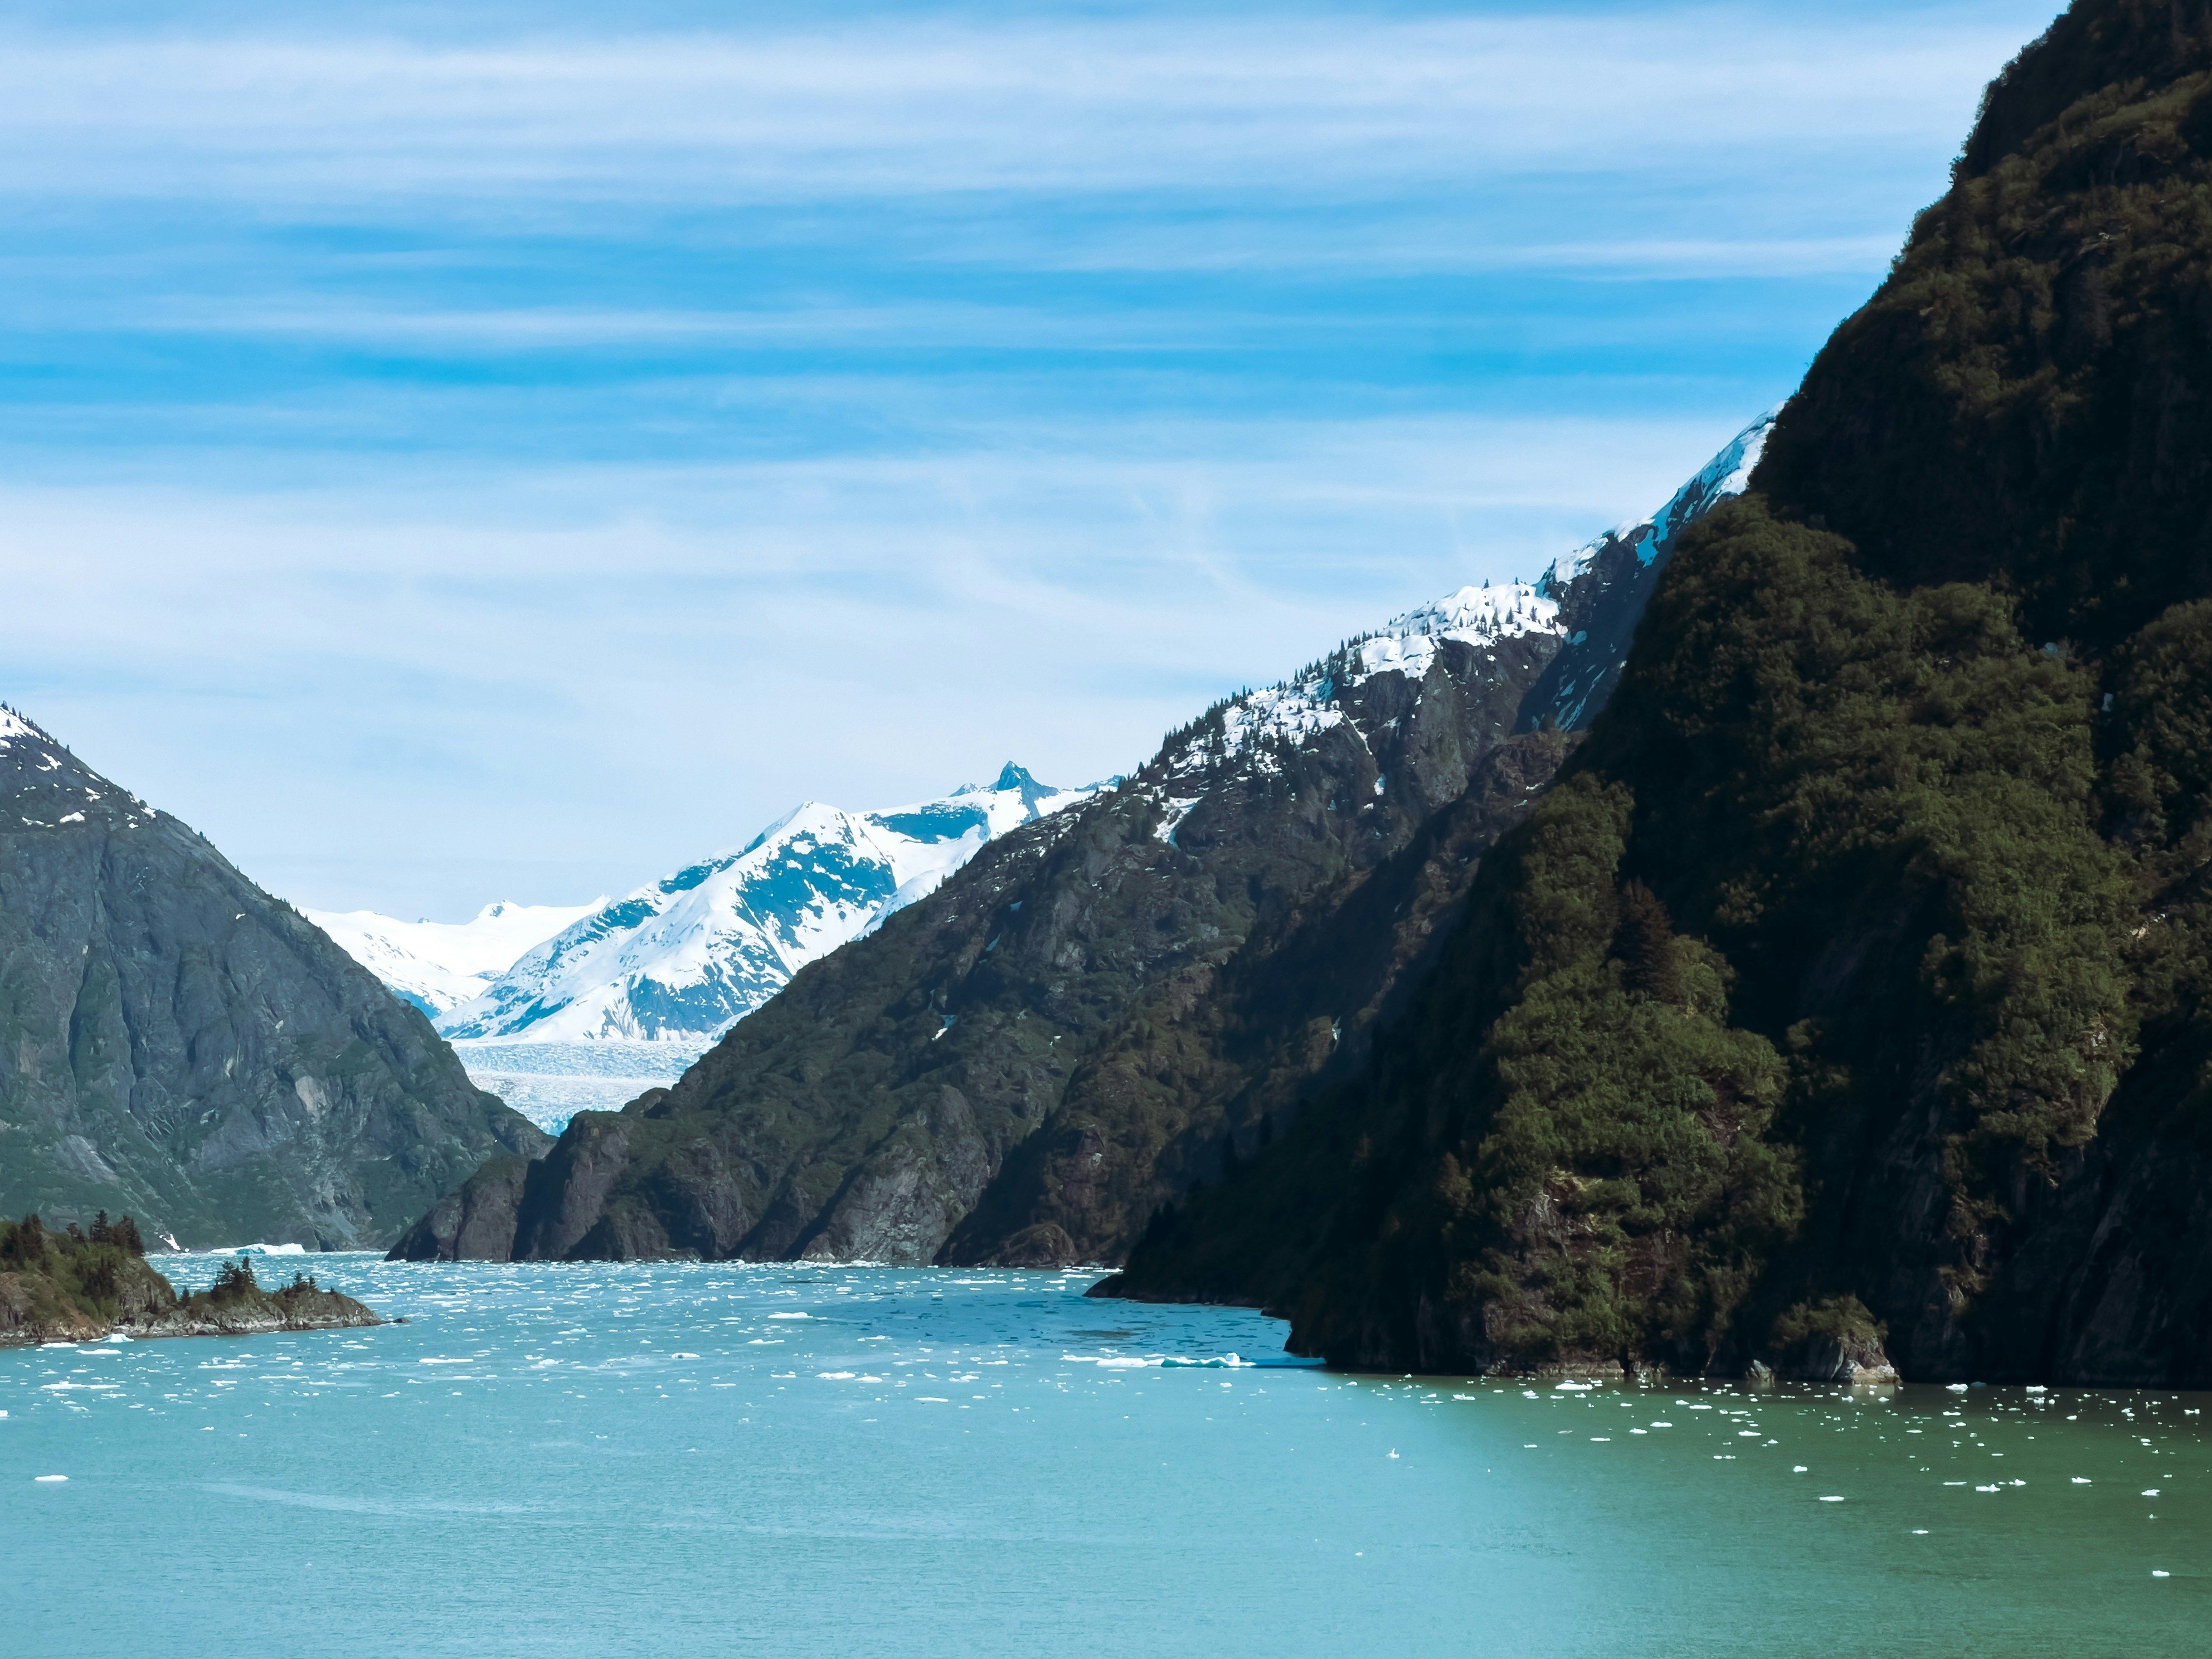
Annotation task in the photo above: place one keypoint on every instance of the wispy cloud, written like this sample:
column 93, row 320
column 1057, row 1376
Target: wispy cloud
column 504, row 449
column 1249, row 102
column 701, row 644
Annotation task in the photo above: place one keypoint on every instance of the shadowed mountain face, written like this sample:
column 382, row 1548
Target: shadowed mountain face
column 177, row 1045
column 1121, row 998
column 1847, row 1000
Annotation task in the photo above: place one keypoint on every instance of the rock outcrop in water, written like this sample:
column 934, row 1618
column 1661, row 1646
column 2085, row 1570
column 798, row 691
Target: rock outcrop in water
column 182, row 1046
column 1848, row 999
column 1121, row 1000
column 72, row 1286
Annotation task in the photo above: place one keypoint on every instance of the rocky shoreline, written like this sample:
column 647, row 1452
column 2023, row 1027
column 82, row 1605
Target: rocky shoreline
column 71, row 1287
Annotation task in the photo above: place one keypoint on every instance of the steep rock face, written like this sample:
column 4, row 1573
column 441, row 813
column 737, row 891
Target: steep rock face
column 1209, row 1067
column 1846, row 1003
column 180, row 1045
column 1105, row 1004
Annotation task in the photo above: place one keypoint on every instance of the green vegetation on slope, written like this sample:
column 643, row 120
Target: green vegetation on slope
column 1912, row 753
column 72, row 1282
column 75, row 1285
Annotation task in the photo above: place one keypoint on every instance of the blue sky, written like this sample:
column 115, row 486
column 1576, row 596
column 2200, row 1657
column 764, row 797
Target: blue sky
column 457, row 453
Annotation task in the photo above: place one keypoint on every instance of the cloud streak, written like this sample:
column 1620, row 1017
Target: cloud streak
column 1251, row 103
column 491, row 452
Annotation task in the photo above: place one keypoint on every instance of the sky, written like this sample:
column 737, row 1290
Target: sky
column 478, row 451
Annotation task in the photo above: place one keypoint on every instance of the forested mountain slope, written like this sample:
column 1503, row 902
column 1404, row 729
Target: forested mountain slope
column 1105, row 1005
column 1847, row 994
column 181, row 1046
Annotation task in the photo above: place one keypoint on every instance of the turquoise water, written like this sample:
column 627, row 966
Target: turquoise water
column 727, row 1460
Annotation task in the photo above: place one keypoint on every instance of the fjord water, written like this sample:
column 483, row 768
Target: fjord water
column 594, row 1460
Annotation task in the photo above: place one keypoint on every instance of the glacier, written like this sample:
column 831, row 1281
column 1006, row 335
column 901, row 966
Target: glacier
column 588, row 1006
column 623, row 996
column 439, row 965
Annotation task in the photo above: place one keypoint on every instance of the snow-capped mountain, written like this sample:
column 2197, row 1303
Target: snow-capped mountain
column 679, row 960
column 1256, row 726
column 1246, row 907
column 1589, row 601
column 1602, row 588
column 439, row 965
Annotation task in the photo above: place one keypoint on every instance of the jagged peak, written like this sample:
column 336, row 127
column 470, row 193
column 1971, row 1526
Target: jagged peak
column 1012, row 778
column 1726, row 474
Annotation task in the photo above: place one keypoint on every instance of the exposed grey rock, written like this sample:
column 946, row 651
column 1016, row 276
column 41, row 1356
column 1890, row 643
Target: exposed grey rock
column 180, row 1045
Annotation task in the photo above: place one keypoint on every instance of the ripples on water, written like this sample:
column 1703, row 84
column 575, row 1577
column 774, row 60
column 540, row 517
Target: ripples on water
column 723, row 1459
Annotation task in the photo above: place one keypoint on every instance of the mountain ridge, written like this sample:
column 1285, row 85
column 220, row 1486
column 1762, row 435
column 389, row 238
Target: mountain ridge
column 679, row 959
column 871, row 1109
column 187, row 1049
column 1843, row 1010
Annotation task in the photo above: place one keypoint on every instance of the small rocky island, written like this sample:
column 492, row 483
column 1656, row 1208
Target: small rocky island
column 72, row 1286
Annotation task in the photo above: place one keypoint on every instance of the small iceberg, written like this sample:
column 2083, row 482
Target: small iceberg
column 1122, row 1361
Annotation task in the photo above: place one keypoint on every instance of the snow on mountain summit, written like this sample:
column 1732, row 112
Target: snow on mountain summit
column 678, row 960
column 1726, row 474
column 1473, row 616
column 1583, row 608
column 1477, row 618
column 438, row 965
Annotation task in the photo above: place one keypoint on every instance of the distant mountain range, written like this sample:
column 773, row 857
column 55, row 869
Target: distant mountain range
column 1020, row 1066
column 559, row 1008
column 679, row 959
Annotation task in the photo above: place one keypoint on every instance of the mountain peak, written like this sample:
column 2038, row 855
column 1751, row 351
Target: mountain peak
column 678, row 959
column 1011, row 778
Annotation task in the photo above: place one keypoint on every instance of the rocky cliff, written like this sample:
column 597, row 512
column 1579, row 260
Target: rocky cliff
column 1115, row 1001
column 1846, row 1001
column 175, row 1043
